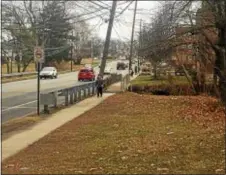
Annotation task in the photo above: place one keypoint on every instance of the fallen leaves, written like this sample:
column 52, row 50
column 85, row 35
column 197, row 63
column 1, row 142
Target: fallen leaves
column 130, row 133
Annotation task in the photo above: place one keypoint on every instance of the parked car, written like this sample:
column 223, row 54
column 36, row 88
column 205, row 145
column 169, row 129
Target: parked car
column 86, row 74
column 121, row 66
column 108, row 70
column 48, row 72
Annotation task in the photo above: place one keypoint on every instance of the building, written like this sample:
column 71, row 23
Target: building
column 184, row 43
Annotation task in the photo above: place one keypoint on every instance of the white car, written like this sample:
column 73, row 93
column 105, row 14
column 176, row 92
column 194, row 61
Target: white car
column 108, row 70
column 48, row 72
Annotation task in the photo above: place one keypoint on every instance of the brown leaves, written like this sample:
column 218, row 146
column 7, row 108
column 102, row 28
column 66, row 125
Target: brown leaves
column 205, row 111
column 131, row 132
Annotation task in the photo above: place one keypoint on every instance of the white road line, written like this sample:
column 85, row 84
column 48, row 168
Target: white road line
column 22, row 107
column 18, row 106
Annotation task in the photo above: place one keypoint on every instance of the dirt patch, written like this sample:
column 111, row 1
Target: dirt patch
column 21, row 124
column 132, row 133
column 18, row 125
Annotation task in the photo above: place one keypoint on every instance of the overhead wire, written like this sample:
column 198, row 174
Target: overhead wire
column 88, row 10
column 124, row 9
column 117, row 33
column 104, row 3
column 99, row 5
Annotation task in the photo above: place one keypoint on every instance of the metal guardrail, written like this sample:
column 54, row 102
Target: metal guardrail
column 74, row 94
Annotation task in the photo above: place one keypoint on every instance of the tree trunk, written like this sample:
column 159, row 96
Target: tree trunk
column 155, row 71
column 25, row 65
column 215, row 84
column 7, row 65
column 189, row 79
column 220, row 64
column 18, row 66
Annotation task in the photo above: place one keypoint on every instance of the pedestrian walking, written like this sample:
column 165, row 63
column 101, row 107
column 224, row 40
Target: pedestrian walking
column 131, row 73
column 99, row 86
column 136, row 70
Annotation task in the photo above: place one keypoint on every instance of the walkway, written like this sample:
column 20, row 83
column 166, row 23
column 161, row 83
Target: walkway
column 21, row 140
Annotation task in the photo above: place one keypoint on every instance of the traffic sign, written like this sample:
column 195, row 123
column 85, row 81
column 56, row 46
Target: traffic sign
column 38, row 54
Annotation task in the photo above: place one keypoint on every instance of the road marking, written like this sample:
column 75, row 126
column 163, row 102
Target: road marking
column 21, row 107
column 18, row 106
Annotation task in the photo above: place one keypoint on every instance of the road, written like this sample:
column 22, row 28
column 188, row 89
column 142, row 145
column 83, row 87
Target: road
column 20, row 98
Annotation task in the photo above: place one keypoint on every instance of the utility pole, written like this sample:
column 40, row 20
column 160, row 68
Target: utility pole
column 131, row 45
column 91, row 47
column 39, row 66
column 108, row 37
column 72, row 53
column 140, row 44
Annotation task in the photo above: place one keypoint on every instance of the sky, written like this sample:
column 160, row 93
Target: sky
column 123, row 25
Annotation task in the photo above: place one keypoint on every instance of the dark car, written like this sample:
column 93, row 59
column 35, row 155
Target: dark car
column 121, row 66
column 86, row 74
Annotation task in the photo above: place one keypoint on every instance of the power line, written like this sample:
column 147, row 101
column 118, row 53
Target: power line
column 98, row 5
column 117, row 33
column 124, row 9
column 89, row 10
column 104, row 3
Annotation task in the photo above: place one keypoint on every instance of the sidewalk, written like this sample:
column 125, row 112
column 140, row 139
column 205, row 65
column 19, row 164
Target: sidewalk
column 116, row 88
column 20, row 141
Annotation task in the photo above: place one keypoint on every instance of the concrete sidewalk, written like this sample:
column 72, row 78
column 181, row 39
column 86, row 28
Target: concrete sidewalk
column 21, row 140
column 116, row 87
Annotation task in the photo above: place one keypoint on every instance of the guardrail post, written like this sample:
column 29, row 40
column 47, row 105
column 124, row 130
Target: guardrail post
column 93, row 88
column 71, row 96
column 66, row 97
column 55, row 102
column 75, row 95
column 46, row 109
column 79, row 94
column 89, row 89
column 85, row 94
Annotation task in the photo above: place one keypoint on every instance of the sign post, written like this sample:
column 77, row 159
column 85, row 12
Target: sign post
column 38, row 57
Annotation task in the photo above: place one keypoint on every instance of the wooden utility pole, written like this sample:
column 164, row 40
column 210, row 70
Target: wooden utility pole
column 140, row 44
column 131, row 45
column 108, row 37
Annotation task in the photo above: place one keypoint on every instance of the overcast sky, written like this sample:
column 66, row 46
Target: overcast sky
column 123, row 25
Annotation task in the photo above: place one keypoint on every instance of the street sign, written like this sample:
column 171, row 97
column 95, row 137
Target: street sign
column 38, row 54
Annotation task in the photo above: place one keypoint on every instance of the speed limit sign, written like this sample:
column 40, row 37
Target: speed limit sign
column 38, row 54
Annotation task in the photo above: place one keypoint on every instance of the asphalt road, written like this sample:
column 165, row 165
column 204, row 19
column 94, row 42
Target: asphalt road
column 20, row 98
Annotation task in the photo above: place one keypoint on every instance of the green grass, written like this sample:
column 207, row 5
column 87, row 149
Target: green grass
column 148, row 80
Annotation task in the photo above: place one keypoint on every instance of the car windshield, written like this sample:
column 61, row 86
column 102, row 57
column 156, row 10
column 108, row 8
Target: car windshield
column 84, row 70
column 47, row 69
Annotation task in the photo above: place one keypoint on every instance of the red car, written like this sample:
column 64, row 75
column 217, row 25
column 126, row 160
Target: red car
column 86, row 74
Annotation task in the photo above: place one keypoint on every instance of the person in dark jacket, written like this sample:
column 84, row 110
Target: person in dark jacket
column 136, row 70
column 131, row 72
column 99, row 85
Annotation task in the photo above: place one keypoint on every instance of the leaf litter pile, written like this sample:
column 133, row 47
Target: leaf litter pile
column 132, row 133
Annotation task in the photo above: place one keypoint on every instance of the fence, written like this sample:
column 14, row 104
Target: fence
column 73, row 94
